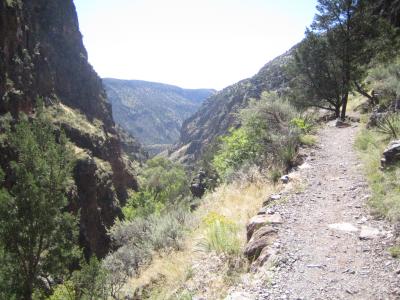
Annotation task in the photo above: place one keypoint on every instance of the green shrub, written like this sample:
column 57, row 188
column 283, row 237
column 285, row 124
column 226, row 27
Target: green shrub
column 138, row 239
column 65, row 291
column 394, row 251
column 385, row 80
column 221, row 235
column 162, row 184
column 267, row 137
column 305, row 123
column 275, row 175
column 236, row 149
column 89, row 281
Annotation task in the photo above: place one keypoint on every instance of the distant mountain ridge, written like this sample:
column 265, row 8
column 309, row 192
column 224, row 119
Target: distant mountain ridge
column 152, row 112
column 218, row 113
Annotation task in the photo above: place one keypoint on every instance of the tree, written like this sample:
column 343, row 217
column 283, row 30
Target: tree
column 36, row 232
column 315, row 75
column 342, row 42
column 389, row 9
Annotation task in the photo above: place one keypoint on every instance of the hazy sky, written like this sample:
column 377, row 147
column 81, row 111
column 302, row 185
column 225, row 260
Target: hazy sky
column 189, row 43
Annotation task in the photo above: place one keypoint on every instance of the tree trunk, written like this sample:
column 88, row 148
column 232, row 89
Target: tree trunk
column 344, row 106
column 337, row 111
column 28, row 286
column 27, row 293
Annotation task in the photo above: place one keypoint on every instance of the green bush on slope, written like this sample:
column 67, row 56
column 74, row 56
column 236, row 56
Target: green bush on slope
column 269, row 137
column 163, row 183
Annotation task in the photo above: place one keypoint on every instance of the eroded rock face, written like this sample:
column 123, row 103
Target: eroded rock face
column 42, row 55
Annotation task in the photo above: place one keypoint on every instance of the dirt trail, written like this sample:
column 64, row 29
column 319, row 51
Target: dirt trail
column 322, row 254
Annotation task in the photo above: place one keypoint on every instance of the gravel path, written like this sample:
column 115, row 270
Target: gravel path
column 329, row 245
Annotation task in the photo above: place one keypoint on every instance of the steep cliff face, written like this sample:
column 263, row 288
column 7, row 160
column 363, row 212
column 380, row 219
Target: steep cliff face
column 217, row 113
column 42, row 55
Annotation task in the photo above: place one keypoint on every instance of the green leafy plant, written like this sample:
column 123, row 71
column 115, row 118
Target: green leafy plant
column 305, row 124
column 236, row 149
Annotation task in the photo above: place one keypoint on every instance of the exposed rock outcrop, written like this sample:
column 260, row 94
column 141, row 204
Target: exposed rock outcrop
column 42, row 55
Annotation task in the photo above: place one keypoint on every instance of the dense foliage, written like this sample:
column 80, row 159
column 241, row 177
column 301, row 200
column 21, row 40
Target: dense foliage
column 268, row 137
column 163, row 184
column 334, row 58
column 37, row 236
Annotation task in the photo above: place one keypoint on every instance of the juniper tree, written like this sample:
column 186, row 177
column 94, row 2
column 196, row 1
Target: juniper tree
column 36, row 232
column 315, row 75
column 338, row 48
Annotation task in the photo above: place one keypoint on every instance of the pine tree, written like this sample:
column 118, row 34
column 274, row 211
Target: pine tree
column 36, row 232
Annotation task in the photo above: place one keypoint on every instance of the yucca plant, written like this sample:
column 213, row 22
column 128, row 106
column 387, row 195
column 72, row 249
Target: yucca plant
column 390, row 125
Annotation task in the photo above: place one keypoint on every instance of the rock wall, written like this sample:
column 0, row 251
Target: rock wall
column 42, row 55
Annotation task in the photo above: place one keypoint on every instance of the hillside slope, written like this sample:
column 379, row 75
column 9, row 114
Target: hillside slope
column 217, row 113
column 152, row 112
column 42, row 55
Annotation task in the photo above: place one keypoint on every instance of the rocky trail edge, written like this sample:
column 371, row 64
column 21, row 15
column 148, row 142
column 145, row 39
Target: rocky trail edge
column 328, row 245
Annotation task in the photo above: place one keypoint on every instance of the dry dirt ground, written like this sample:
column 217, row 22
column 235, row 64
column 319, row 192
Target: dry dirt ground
column 329, row 246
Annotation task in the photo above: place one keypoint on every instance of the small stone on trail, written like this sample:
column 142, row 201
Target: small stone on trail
column 285, row 179
column 369, row 233
column 275, row 197
column 343, row 227
column 315, row 266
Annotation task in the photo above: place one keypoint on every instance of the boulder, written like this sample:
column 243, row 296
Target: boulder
column 391, row 153
column 369, row 233
column 261, row 220
column 262, row 238
column 267, row 256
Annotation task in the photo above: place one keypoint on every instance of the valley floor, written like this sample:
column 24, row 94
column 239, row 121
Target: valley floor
column 329, row 246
